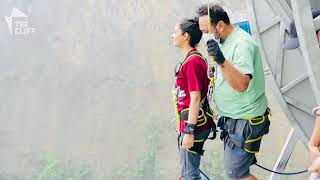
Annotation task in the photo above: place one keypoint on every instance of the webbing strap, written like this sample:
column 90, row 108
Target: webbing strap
column 259, row 120
column 195, row 53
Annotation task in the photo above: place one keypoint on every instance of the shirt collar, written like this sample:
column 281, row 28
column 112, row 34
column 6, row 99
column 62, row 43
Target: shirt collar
column 231, row 36
column 192, row 50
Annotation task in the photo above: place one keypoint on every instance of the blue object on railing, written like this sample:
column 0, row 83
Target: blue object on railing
column 244, row 25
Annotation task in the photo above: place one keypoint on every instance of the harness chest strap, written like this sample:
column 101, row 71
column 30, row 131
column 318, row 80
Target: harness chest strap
column 174, row 91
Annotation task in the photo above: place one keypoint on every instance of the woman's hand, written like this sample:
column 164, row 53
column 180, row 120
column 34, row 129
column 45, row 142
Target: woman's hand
column 188, row 140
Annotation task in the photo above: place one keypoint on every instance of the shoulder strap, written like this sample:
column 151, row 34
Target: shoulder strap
column 195, row 53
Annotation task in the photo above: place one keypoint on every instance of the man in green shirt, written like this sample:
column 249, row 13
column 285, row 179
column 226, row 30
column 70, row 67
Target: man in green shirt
column 239, row 90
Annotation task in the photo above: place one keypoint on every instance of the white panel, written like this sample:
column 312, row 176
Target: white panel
column 302, row 93
column 293, row 66
column 271, row 45
column 265, row 14
column 304, row 120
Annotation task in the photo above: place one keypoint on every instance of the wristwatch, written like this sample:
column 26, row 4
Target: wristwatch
column 316, row 111
column 189, row 128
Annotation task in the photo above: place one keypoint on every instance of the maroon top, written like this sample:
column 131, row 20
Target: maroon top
column 191, row 77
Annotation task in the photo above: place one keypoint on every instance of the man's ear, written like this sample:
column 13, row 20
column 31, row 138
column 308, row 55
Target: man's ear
column 223, row 25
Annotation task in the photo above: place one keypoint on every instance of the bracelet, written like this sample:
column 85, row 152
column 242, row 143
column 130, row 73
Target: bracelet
column 189, row 128
column 316, row 111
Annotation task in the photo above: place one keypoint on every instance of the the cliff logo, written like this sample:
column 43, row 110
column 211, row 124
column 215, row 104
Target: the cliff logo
column 18, row 23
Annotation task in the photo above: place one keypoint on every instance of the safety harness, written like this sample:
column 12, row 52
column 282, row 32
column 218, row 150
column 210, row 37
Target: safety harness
column 205, row 114
column 257, row 128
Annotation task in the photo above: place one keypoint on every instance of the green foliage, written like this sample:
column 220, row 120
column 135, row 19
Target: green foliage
column 51, row 169
column 148, row 165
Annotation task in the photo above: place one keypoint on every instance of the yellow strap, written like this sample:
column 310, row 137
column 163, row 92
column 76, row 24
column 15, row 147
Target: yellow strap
column 260, row 119
column 210, row 115
column 253, row 140
column 199, row 140
column 254, row 119
column 196, row 54
column 212, row 81
column 205, row 120
column 209, row 18
column 209, row 29
column 200, row 120
column 175, row 105
column 252, row 152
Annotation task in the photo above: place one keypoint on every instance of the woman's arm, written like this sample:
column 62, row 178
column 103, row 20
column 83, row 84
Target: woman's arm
column 194, row 108
column 195, row 99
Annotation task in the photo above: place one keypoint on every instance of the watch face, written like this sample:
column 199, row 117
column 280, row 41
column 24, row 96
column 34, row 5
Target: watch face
column 189, row 130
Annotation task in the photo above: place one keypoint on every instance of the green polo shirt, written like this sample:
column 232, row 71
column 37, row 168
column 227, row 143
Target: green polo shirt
column 242, row 52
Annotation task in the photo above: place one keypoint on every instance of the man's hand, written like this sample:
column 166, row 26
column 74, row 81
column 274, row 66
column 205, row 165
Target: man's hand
column 214, row 50
column 188, row 140
column 314, row 151
column 315, row 167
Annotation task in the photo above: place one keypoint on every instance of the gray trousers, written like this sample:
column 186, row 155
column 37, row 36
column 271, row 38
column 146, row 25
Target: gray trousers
column 190, row 160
